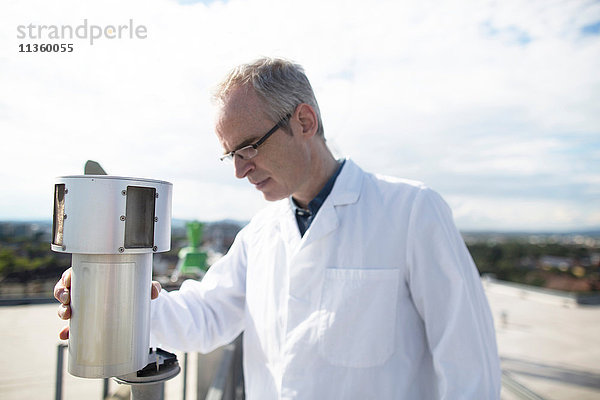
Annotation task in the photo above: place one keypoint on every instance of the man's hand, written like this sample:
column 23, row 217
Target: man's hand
column 62, row 293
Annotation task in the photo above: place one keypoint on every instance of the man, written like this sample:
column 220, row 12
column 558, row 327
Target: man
column 348, row 286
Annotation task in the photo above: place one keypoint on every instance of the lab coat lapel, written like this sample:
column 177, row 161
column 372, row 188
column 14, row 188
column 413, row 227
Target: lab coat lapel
column 345, row 191
column 289, row 228
column 324, row 223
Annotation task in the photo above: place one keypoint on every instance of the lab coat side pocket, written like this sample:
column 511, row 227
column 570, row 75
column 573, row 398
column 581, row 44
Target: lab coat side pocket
column 358, row 316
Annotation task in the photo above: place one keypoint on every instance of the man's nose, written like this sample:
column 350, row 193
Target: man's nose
column 242, row 167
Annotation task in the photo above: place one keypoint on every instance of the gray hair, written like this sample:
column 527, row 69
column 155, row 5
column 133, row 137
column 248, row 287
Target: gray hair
column 281, row 84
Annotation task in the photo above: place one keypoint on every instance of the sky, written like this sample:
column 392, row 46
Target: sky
column 494, row 104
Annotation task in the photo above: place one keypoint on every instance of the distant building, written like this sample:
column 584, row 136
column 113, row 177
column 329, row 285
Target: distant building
column 219, row 236
column 561, row 263
column 37, row 231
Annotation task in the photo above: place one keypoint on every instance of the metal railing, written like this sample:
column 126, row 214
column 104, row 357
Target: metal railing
column 517, row 389
column 226, row 381
column 60, row 356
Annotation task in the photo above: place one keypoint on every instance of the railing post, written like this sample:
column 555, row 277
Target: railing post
column 218, row 386
column 105, row 387
column 59, row 370
column 185, row 366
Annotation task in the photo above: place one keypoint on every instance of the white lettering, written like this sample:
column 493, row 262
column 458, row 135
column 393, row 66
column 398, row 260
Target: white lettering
column 79, row 28
column 121, row 27
column 40, row 29
column 31, row 26
column 108, row 31
column 21, row 32
column 65, row 27
column 141, row 32
column 95, row 33
column 53, row 32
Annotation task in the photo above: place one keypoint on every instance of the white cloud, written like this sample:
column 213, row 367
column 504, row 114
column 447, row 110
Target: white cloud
column 522, row 214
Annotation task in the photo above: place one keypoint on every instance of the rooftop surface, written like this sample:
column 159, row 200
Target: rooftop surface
column 549, row 348
column 548, row 344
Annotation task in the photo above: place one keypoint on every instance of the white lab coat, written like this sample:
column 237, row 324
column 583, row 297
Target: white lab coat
column 379, row 300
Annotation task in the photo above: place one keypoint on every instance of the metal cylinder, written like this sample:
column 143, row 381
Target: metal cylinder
column 110, row 314
column 103, row 214
column 112, row 226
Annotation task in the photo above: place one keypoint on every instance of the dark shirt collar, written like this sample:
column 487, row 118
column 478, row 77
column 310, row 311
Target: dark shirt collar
column 304, row 217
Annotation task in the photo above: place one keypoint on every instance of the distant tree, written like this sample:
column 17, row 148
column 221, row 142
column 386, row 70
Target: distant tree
column 7, row 261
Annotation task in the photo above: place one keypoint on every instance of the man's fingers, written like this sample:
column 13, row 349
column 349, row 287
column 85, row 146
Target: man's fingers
column 61, row 293
column 66, row 278
column 64, row 311
column 64, row 334
column 61, row 289
column 64, row 296
column 156, row 288
column 58, row 289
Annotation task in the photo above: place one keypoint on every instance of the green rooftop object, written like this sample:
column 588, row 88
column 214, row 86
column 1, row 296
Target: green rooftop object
column 192, row 260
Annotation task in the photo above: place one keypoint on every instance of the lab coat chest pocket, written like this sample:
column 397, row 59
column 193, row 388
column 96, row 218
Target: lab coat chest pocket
column 358, row 316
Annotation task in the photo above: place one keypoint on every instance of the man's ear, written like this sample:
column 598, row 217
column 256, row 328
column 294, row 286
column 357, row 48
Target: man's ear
column 308, row 120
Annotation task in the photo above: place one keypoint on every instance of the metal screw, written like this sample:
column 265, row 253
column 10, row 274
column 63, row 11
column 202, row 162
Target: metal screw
column 121, row 249
column 122, row 218
column 156, row 195
column 66, row 191
column 155, row 219
column 154, row 248
column 64, row 216
column 124, row 192
column 64, row 248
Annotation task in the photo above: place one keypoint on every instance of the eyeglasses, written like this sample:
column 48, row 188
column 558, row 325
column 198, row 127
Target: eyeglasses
column 250, row 151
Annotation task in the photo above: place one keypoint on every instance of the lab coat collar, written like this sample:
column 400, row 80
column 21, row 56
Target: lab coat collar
column 346, row 190
column 348, row 184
